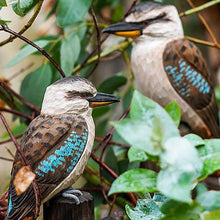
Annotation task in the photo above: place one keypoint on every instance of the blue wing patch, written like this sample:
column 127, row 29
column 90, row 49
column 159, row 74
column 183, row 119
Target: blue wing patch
column 185, row 76
column 9, row 205
column 72, row 150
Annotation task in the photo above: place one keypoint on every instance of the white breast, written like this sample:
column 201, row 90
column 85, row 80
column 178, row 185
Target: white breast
column 147, row 65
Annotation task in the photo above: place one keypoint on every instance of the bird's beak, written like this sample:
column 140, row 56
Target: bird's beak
column 125, row 29
column 102, row 99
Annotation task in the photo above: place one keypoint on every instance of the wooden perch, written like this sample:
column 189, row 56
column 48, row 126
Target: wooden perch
column 66, row 209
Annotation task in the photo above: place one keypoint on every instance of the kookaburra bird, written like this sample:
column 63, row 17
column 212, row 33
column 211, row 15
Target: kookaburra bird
column 168, row 67
column 58, row 143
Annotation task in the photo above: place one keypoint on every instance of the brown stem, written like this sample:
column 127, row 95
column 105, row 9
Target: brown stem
column 98, row 42
column 108, row 136
column 203, row 42
column 110, row 171
column 11, row 91
column 100, row 139
column 6, row 159
column 84, row 63
column 42, row 51
column 26, row 26
column 12, row 111
column 204, row 22
column 132, row 5
column 18, row 147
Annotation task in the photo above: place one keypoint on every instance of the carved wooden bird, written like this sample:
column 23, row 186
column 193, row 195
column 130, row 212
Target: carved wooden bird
column 168, row 67
column 58, row 143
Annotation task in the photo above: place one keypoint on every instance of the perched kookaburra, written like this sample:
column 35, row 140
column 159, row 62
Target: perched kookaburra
column 168, row 67
column 58, row 143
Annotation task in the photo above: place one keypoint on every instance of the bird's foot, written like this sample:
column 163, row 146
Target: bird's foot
column 72, row 193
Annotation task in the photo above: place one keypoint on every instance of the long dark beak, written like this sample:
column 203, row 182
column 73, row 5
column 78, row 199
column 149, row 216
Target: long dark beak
column 125, row 29
column 102, row 99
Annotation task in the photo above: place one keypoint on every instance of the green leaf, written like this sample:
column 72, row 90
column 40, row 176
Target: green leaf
column 127, row 98
column 146, row 110
column 98, row 112
column 143, row 138
column 34, row 85
column 118, row 13
column 173, row 110
column 215, row 215
column 135, row 180
column 70, row 50
column 112, row 84
column 16, row 8
column 26, row 51
column 209, row 200
column 210, row 155
column 181, row 166
column 3, row 3
column 4, row 22
column 135, row 154
column 194, row 139
column 175, row 210
column 145, row 209
column 23, row 4
column 71, row 11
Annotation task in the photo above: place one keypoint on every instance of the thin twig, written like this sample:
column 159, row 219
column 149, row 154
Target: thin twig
column 108, row 136
column 205, row 23
column 12, row 111
column 9, row 140
column 18, row 147
column 112, row 142
column 89, row 57
column 122, row 46
column 6, row 159
column 26, row 26
column 199, row 8
column 130, row 8
column 11, row 91
column 203, row 42
column 42, row 51
column 101, row 163
column 98, row 42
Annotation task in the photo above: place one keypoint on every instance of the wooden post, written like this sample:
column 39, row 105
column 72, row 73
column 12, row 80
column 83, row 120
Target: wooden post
column 60, row 208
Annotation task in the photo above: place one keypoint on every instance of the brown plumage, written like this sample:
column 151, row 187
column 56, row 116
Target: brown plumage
column 188, row 74
column 43, row 137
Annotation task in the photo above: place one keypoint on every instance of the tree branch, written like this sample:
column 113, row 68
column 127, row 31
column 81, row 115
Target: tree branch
column 26, row 26
column 11, row 91
column 42, row 51
column 204, row 23
column 207, row 43
column 18, row 147
column 98, row 42
column 120, row 46
column 12, row 111
column 199, row 8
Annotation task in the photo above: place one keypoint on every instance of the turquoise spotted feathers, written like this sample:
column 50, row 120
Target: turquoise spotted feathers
column 185, row 76
column 186, row 71
column 73, row 148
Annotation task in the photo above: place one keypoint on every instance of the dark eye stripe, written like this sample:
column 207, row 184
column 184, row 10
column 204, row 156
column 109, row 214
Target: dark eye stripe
column 161, row 16
column 74, row 93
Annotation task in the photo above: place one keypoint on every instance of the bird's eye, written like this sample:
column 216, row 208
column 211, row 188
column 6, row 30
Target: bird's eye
column 145, row 23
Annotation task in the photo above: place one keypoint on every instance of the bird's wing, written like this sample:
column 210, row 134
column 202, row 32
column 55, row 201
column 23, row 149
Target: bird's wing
column 52, row 146
column 187, row 72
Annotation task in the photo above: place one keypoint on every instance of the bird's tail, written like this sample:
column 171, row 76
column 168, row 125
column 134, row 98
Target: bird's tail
column 28, row 216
